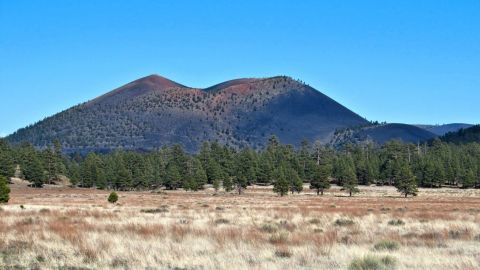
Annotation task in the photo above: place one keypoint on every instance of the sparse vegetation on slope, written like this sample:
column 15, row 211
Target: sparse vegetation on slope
column 152, row 112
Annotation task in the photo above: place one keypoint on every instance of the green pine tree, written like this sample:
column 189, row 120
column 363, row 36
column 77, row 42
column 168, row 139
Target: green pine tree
column 4, row 190
column 468, row 179
column 350, row 184
column 281, row 184
column 173, row 177
column 320, row 181
column 405, row 181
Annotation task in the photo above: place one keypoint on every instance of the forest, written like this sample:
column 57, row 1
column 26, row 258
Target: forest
column 406, row 166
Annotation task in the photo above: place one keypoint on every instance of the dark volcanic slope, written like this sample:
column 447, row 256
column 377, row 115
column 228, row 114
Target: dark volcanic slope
column 154, row 111
column 441, row 130
column 467, row 135
column 403, row 132
column 382, row 133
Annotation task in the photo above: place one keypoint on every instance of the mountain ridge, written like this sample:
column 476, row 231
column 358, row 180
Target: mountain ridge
column 154, row 111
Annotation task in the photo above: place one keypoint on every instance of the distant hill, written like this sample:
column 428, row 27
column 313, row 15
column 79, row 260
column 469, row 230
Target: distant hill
column 379, row 134
column 467, row 135
column 154, row 111
column 441, row 130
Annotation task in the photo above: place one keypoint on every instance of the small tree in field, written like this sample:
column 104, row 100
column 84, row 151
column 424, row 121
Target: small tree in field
column 281, row 184
column 320, row 180
column 4, row 190
column 113, row 197
column 406, row 182
column 351, row 182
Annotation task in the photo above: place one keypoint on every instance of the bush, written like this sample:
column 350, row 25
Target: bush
column 477, row 237
column 396, row 222
column 154, row 210
column 370, row 262
column 278, row 238
column 344, row 222
column 4, row 190
column 269, row 228
column 113, row 197
column 283, row 252
column 386, row 245
column 314, row 221
column 222, row 221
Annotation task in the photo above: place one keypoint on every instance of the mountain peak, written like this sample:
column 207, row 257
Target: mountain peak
column 157, row 81
column 154, row 111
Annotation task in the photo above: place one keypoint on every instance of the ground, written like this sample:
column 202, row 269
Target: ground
column 71, row 228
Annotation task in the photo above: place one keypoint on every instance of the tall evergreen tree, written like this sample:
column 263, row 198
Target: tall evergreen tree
column 281, row 184
column 350, row 184
column 173, row 177
column 406, row 182
column 320, row 181
column 4, row 190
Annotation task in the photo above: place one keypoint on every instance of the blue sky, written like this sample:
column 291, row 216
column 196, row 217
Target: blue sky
column 412, row 61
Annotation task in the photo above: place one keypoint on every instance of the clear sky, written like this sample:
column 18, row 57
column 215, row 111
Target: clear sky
column 414, row 61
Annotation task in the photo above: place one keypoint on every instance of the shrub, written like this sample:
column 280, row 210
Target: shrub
column 477, row 237
column 283, row 252
column 386, row 245
column 222, row 221
column 44, row 211
column 314, row 221
column 370, row 262
column 279, row 238
column 269, row 228
column 396, row 222
column 344, row 222
column 113, row 197
column 154, row 210
column 4, row 190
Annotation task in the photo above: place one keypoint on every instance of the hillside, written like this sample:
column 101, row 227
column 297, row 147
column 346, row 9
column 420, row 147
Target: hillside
column 441, row 130
column 154, row 111
column 466, row 135
column 382, row 133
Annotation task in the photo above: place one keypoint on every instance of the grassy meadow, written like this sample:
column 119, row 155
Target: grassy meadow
column 72, row 228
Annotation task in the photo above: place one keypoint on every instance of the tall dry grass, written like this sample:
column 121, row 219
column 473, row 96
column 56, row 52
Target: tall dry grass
column 78, row 229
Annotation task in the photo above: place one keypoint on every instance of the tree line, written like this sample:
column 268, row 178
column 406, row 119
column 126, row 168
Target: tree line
column 405, row 166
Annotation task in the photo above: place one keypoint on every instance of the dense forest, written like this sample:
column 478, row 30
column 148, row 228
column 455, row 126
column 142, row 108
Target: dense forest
column 464, row 135
column 406, row 166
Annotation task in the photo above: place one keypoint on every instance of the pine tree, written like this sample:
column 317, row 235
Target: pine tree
column 7, row 167
column 296, row 184
column 468, row 179
column 173, row 177
column 113, row 197
column 50, row 165
column 321, row 182
column 350, row 184
column 439, row 174
column 214, row 171
column 199, row 174
column 216, row 185
column 405, row 181
column 123, row 177
column 33, row 170
column 265, row 170
column 281, row 184
column 227, row 184
column 4, row 190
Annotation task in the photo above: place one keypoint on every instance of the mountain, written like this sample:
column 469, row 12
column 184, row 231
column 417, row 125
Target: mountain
column 154, row 111
column 467, row 135
column 381, row 133
column 441, row 130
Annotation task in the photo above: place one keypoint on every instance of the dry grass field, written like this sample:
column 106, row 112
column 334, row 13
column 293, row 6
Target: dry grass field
column 66, row 228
